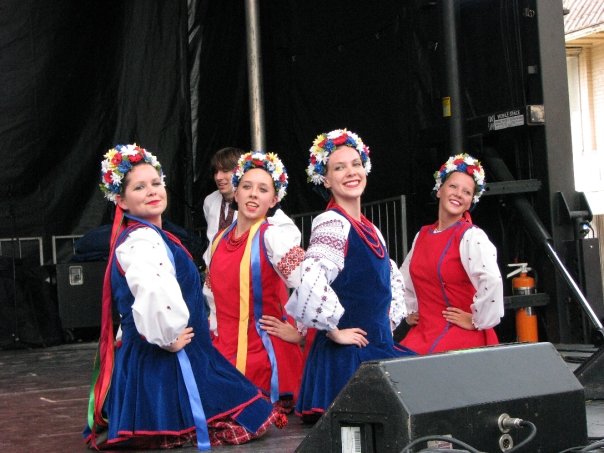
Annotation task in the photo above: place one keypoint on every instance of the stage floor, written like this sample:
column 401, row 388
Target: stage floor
column 44, row 395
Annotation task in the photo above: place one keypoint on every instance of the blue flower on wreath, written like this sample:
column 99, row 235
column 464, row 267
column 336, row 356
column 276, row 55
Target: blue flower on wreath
column 124, row 167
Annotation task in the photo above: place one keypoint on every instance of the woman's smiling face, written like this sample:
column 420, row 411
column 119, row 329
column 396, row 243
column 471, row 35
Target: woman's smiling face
column 255, row 194
column 144, row 194
column 456, row 193
column 345, row 176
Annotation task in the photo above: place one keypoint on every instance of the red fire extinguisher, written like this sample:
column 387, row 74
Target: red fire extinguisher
column 526, row 318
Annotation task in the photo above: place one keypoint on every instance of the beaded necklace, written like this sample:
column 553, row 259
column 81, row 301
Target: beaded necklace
column 364, row 229
column 233, row 243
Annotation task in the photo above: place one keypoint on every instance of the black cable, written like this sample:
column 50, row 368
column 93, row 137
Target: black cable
column 531, row 436
column 598, row 444
column 459, row 443
column 572, row 450
column 593, row 446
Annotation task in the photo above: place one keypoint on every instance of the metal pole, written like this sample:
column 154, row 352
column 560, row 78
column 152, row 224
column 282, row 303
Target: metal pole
column 254, row 70
column 452, row 100
column 572, row 285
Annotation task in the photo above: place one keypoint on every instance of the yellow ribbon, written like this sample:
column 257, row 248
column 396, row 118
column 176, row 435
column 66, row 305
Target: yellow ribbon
column 244, row 295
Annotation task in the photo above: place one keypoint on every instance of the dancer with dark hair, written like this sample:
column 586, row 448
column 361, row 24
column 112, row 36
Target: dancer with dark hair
column 218, row 208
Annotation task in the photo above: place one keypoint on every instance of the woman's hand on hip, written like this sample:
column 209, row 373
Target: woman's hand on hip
column 281, row 329
column 459, row 317
column 183, row 339
column 354, row 335
column 412, row 319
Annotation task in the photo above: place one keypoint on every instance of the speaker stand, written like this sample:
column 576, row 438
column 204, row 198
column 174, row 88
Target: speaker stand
column 591, row 375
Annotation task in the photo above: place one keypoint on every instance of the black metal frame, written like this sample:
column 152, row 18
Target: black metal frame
column 545, row 148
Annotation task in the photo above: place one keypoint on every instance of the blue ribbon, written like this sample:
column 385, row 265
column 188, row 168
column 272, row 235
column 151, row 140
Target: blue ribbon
column 201, row 425
column 264, row 336
column 199, row 416
column 256, row 272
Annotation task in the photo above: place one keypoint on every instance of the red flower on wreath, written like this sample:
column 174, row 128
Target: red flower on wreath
column 340, row 140
column 116, row 159
column 472, row 169
column 135, row 158
column 107, row 177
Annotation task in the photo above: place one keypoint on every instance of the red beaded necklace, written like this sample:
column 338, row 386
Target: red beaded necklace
column 365, row 229
column 233, row 243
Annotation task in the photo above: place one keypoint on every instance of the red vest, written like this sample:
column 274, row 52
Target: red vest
column 440, row 281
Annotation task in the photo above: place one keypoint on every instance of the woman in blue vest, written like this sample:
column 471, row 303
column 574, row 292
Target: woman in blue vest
column 160, row 383
column 351, row 292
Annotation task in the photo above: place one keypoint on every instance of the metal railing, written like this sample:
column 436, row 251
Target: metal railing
column 389, row 215
column 32, row 248
column 68, row 241
column 23, row 248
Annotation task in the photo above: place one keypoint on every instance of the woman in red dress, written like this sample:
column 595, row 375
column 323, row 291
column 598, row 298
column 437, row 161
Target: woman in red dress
column 453, row 287
column 252, row 263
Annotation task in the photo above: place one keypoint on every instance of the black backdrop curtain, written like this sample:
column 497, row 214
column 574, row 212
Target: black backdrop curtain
column 77, row 77
column 356, row 64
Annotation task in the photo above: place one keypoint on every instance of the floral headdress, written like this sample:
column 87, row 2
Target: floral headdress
column 463, row 163
column 267, row 161
column 118, row 162
column 325, row 144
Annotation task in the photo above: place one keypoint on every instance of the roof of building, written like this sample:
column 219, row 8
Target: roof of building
column 584, row 17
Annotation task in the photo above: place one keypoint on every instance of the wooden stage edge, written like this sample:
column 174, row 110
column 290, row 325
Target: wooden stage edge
column 44, row 395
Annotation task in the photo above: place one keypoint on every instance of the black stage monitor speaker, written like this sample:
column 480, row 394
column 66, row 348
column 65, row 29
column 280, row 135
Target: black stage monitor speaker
column 461, row 394
column 79, row 293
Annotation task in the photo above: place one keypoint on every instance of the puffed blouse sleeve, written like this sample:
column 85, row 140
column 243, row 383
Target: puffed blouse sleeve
column 159, row 310
column 282, row 242
column 314, row 303
column 479, row 259
column 410, row 296
column 397, row 305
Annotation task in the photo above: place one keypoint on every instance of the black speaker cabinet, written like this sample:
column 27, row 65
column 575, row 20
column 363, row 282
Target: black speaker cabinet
column 461, row 394
column 79, row 293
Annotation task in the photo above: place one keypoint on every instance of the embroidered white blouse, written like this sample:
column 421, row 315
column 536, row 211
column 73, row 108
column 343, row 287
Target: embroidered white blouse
column 159, row 310
column 323, row 261
column 479, row 259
